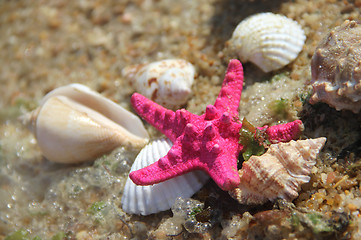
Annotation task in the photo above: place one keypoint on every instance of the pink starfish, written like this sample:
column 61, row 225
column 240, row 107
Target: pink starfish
column 209, row 142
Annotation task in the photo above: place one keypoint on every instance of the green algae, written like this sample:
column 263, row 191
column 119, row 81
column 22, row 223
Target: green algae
column 59, row 236
column 21, row 234
column 279, row 108
column 98, row 210
column 318, row 223
column 19, row 107
column 248, row 139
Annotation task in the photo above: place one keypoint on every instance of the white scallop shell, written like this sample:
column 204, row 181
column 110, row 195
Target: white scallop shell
column 271, row 41
column 75, row 124
column 279, row 173
column 146, row 200
column 167, row 82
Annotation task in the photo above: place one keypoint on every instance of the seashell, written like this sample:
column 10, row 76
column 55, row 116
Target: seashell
column 167, row 82
column 150, row 199
column 336, row 68
column 278, row 173
column 271, row 41
column 74, row 124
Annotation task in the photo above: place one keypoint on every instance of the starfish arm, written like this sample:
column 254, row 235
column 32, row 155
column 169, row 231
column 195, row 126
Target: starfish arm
column 223, row 170
column 230, row 94
column 168, row 122
column 284, row 132
column 167, row 167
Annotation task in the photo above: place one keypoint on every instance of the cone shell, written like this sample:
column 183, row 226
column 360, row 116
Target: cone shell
column 74, row 124
column 336, row 68
column 271, row 41
column 279, row 173
column 146, row 200
column 167, row 82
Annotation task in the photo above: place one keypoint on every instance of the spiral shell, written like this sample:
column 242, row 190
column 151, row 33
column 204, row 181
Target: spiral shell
column 278, row 173
column 167, row 82
column 271, row 41
column 146, row 200
column 74, row 124
column 336, row 68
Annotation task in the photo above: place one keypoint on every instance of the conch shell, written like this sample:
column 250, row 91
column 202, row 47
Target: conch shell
column 336, row 68
column 278, row 173
column 74, row 124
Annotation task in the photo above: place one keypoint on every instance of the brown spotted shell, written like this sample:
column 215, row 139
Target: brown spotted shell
column 167, row 82
column 336, row 68
column 278, row 173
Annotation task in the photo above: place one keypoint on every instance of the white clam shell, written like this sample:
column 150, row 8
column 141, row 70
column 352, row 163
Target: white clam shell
column 279, row 173
column 74, row 124
column 271, row 41
column 146, row 200
column 167, row 82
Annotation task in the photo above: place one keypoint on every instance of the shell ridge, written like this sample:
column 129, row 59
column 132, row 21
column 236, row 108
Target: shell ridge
column 278, row 173
column 277, row 37
column 150, row 199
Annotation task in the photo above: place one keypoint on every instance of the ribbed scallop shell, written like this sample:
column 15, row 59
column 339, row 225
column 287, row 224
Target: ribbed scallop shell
column 271, row 41
column 146, row 200
column 167, row 82
column 336, row 68
column 279, row 173
column 75, row 124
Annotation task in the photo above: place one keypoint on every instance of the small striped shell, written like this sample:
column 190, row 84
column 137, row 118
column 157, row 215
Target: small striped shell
column 271, row 41
column 146, row 200
column 336, row 68
column 167, row 82
column 279, row 173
